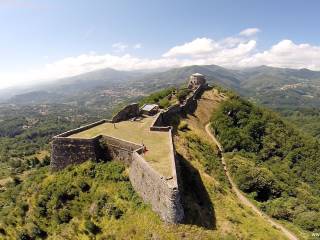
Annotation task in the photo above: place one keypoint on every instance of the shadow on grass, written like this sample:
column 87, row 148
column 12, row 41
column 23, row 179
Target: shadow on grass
column 198, row 208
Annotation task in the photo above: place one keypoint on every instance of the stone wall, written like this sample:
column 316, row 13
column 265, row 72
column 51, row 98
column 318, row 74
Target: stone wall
column 162, row 194
column 82, row 128
column 67, row 151
column 128, row 112
column 188, row 106
column 119, row 149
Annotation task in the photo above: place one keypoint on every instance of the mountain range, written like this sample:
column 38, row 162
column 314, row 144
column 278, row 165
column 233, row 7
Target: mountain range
column 275, row 87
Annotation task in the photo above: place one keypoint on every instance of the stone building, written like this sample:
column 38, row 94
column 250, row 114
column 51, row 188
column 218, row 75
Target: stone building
column 150, row 109
column 196, row 80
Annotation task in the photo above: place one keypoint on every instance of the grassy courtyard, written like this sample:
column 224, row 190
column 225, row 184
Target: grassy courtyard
column 157, row 143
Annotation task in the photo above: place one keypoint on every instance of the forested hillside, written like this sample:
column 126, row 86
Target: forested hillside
column 306, row 119
column 272, row 161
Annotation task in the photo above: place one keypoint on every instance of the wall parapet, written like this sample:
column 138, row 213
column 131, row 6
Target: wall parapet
column 82, row 128
column 162, row 194
column 67, row 151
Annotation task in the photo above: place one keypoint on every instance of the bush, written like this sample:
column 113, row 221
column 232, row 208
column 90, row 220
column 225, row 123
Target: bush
column 23, row 236
column 64, row 216
column 84, row 186
column 164, row 103
column 183, row 126
column 113, row 171
column 309, row 221
column 16, row 180
column 23, row 208
column 37, row 232
column 281, row 208
column 113, row 211
column 91, row 227
column 182, row 94
column 126, row 191
column 157, row 96
column 254, row 179
column 46, row 161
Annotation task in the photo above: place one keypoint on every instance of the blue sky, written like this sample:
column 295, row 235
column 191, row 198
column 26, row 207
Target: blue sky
column 51, row 39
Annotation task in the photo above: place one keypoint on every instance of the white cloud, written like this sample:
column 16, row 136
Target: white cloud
column 226, row 52
column 249, row 32
column 231, row 52
column 196, row 47
column 137, row 46
column 119, row 47
column 286, row 53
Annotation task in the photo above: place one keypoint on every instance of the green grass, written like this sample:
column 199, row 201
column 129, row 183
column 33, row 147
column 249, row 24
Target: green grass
column 157, row 143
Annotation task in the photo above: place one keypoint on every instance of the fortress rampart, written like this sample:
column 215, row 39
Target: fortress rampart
column 120, row 150
column 189, row 105
column 162, row 192
column 67, row 151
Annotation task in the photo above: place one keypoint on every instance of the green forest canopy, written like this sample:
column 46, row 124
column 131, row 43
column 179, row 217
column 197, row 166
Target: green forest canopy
column 272, row 161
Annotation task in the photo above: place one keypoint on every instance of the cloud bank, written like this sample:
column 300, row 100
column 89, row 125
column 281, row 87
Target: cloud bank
column 233, row 52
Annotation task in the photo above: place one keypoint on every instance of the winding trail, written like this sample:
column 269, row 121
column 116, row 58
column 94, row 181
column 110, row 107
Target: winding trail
column 245, row 200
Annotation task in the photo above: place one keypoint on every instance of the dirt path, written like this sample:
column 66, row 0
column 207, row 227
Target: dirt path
column 245, row 200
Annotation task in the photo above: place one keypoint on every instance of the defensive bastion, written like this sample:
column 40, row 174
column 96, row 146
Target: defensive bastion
column 145, row 145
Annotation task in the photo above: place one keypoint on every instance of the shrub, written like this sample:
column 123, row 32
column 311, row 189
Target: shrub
column 164, row 103
column 126, row 191
column 2, row 231
column 84, row 186
column 16, row 180
column 308, row 220
column 36, row 232
column 23, row 236
column 91, row 227
column 157, row 96
column 64, row 216
column 46, row 161
column 182, row 94
column 183, row 126
column 23, row 208
column 114, row 171
column 113, row 211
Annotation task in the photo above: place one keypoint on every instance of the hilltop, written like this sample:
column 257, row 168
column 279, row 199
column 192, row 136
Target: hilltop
column 212, row 210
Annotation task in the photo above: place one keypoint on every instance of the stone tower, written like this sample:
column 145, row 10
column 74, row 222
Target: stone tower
column 196, row 80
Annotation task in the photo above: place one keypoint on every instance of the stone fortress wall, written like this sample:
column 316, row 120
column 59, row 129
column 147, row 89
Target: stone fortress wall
column 189, row 105
column 162, row 193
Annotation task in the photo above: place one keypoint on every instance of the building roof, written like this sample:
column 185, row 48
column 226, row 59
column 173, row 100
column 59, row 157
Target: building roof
column 149, row 107
column 197, row 75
